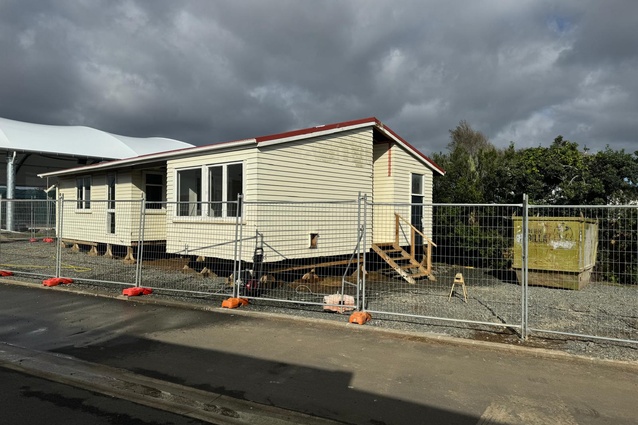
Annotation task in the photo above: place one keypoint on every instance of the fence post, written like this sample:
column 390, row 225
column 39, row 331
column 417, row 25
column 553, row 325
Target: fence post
column 237, row 258
column 359, row 266
column 140, row 243
column 1, row 205
column 524, row 265
column 59, row 228
column 11, row 175
column 364, row 249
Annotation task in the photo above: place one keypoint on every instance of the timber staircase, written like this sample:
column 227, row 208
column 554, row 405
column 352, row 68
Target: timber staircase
column 405, row 262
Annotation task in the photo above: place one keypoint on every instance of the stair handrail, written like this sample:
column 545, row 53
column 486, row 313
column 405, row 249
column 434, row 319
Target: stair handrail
column 414, row 229
column 426, row 261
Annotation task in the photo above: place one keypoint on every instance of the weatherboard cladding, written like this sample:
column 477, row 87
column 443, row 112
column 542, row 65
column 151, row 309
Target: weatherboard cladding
column 383, row 190
column 332, row 167
column 90, row 225
column 393, row 166
column 329, row 167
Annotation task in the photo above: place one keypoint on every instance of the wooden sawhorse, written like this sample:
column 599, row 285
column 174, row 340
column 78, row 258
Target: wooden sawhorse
column 458, row 280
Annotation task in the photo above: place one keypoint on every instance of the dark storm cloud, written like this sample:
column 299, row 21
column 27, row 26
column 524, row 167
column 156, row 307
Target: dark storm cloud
column 203, row 71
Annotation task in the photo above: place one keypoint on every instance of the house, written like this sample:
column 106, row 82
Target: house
column 192, row 204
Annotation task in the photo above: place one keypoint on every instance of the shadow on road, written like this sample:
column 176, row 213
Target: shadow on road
column 317, row 392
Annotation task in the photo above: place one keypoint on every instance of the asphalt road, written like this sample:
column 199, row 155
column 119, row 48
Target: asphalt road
column 347, row 373
column 30, row 400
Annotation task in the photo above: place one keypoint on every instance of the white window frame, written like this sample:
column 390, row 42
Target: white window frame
column 110, row 204
column 202, row 193
column 205, row 198
column 412, row 192
column 224, row 201
column 82, row 194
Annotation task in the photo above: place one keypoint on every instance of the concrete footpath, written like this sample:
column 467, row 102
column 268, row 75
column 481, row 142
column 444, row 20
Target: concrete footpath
column 245, row 367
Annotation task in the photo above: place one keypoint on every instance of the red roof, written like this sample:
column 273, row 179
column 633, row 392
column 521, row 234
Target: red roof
column 273, row 138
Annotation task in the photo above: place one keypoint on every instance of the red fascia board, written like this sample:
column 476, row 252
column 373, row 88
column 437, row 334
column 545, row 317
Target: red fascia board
column 371, row 120
column 412, row 148
column 317, row 129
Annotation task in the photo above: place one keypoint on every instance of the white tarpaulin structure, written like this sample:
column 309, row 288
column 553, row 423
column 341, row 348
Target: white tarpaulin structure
column 35, row 149
column 27, row 150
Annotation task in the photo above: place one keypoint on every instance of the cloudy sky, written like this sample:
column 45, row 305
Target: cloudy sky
column 209, row 71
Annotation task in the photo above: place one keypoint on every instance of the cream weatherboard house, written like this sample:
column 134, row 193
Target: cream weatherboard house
column 191, row 194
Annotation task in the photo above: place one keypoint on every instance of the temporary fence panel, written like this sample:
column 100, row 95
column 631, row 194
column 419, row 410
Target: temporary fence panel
column 456, row 270
column 27, row 237
column 583, row 271
column 188, row 252
column 301, row 252
column 570, row 270
column 99, row 240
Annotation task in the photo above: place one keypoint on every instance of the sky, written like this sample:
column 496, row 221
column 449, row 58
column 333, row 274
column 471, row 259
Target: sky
column 209, row 71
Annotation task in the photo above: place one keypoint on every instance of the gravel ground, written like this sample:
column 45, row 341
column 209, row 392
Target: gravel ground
column 492, row 311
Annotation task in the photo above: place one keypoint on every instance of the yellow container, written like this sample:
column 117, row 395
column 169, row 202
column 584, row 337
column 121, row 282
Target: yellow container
column 562, row 250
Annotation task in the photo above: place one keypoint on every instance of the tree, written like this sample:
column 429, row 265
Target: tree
column 469, row 163
column 561, row 174
column 465, row 232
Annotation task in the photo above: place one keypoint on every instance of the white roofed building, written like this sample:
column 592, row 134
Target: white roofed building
column 27, row 150
column 36, row 148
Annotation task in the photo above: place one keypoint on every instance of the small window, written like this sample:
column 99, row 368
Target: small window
column 83, row 185
column 189, row 187
column 417, row 184
column 154, row 191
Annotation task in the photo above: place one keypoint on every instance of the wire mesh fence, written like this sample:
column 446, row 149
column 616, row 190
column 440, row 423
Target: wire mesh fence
column 98, row 241
column 443, row 262
column 188, row 252
column 302, row 253
column 569, row 270
column 583, row 271
column 27, row 237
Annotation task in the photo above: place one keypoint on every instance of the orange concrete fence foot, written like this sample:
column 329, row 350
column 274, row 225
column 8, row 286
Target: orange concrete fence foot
column 359, row 317
column 137, row 290
column 234, row 302
column 55, row 281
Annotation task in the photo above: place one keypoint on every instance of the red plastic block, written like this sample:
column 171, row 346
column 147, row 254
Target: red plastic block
column 135, row 291
column 33, row 240
column 234, row 302
column 48, row 240
column 5, row 273
column 55, row 281
column 359, row 317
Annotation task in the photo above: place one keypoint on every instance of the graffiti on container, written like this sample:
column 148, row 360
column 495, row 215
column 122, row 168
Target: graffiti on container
column 562, row 236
